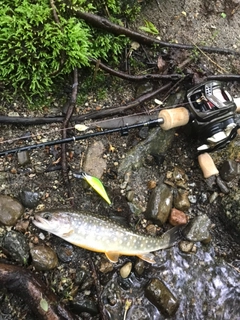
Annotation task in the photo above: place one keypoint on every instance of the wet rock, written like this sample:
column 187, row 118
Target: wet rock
column 29, row 198
column 156, row 143
column 179, row 177
column 181, row 201
column 80, row 304
column 81, row 276
column 126, row 270
column 229, row 170
column 222, row 185
column 43, row 257
column 159, row 204
column 160, row 296
column 135, row 208
column 197, row 229
column 186, row 246
column 177, row 217
column 130, row 195
column 213, row 197
column 139, row 267
column 23, row 158
column 17, row 246
column 208, row 240
column 192, row 199
column 143, row 132
column 10, row 210
column 151, row 229
column 94, row 163
column 65, row 252
column 3, row 180
column 83, row 279
column 144, row 88
column 158, row 158
column 22, row 225
column 230, row 215
column 151, row 184
column 106, row 266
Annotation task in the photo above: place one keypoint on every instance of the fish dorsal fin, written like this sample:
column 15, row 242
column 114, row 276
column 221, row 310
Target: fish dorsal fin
column 67, row 234
column 149, row 257
column 112, row 256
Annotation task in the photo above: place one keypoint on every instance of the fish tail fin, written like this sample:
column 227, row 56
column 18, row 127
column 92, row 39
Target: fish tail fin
column 169, row 238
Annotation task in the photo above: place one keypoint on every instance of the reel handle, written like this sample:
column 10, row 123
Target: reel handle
column 207, row 165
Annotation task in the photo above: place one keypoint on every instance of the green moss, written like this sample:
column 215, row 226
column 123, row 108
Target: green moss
column 37, row 51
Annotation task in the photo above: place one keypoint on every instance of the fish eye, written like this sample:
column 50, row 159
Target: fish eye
column 47, row 216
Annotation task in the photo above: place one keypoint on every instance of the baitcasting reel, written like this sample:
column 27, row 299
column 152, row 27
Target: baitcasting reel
column 212, row 113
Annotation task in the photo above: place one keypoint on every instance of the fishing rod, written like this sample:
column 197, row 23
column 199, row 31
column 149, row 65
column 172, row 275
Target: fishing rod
column 210, row 108
column 124, row 131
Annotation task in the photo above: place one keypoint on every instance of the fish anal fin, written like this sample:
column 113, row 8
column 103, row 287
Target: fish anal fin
column 112, row 256
column 67, row 234
column 149, row 257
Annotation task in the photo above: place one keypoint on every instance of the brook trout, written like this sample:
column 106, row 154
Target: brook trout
column 101, row 234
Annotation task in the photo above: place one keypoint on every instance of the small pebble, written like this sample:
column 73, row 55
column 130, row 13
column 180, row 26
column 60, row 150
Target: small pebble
column 65, row 252
column 139, row 267
column 192, row 199
column 17, row 246
column 126, row 270
column 181, row 201
column 29, row 198
column 151, row 229
column 106, row 266
column 177, row 217
column 229, row 170
column 10, row 210
column 213, row 197
column 151, row 184
column 130, row 195
column 43, row 257
column 186, row 246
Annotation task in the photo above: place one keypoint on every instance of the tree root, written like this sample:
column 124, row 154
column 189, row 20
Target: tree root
column 91, row 115
column 43, row 302
column 144, row 77
column 103, row 23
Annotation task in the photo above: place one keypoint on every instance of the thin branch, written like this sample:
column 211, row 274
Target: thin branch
column 211, row 60
column 64, row 132
column 52, row 4
column 224, row 77
column 125, row 76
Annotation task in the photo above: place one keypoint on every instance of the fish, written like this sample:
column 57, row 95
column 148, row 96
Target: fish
column 101, row 234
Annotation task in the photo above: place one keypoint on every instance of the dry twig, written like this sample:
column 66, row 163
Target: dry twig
column 64, row 132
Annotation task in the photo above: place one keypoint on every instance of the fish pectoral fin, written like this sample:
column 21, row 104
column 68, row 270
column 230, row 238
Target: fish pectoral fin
column 67, row 234
column 149, row 257
column 112, row 256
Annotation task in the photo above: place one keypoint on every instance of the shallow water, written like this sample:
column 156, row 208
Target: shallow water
column 206, row 286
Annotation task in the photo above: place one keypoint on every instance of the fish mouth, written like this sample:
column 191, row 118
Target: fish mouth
column 40, row 222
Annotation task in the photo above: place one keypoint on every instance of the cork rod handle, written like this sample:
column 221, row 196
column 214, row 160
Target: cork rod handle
column 174, row 117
